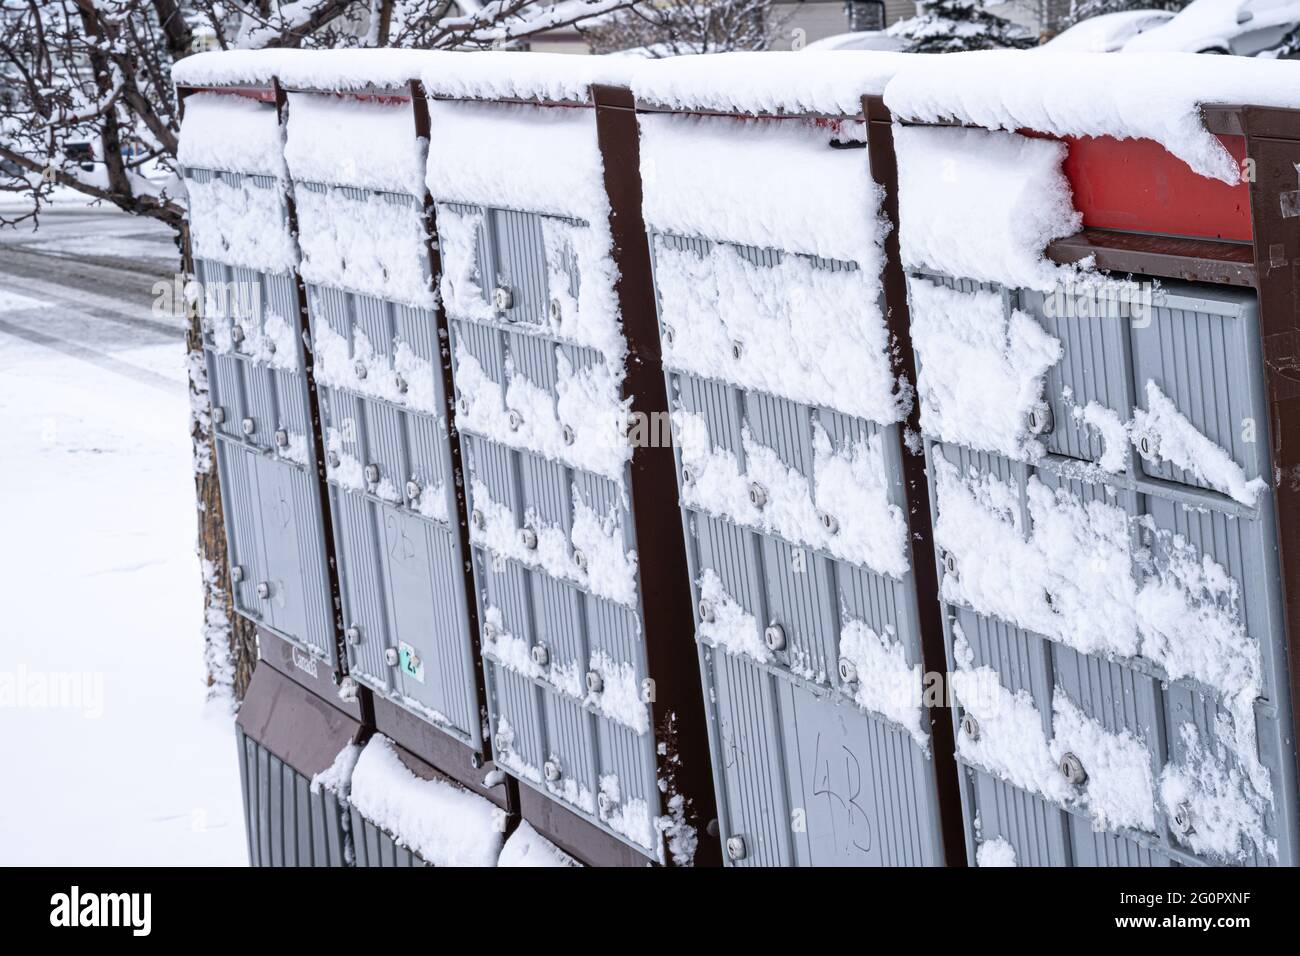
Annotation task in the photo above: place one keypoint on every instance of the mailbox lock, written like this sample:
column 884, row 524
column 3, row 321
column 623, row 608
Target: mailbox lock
column 218, row 414
column 476, row 519
column 568, row 435
column 236, row 333
column 270, row 347
column 551, row 771
column 463, row 405
column 595, row 683
column 848, row 671
column 706, row 610
column 1039, row 419
column 687, row 475
column 528, row 538
column 970, row 727
column 281, row 438
column 668, row 334
column 757, row 495
column 236, row 573
column 1149, row 446
column 557, row 311
column 264, row 589
column 361, row 370
column 541, row 656
column 605, row 802
column 333, row 459
column 391, row 656
column 829, row 522
column 401, row 385
column 1182, row 819
column 352, row 635
column 736, row 848
column 1072, row 770
column 489, row 632
column 950, row 562
column 503, row 299
column 774, row 637
column 372, row 474
column 514, row 419
column 248, row 425
column 580, row 559
column 413, row 489
column 737, row 349
column 501, row 743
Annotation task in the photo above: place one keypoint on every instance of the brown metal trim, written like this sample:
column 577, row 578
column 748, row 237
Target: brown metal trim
column 1277, row 254
column 420, row 111
column 294, row 664
column 1196, row 260
column 925, row 575
column 294, row 724
column 678, row 708
column 584, row 842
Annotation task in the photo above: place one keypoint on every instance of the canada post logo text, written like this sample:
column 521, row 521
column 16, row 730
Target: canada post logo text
column 102, row 909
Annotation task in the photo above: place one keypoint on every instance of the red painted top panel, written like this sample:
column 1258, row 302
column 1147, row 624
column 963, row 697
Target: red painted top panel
column 1138, row 186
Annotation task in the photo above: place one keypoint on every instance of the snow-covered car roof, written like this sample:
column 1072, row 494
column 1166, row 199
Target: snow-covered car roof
column 858, row 40
column 1202, row 25
column 1108, row 32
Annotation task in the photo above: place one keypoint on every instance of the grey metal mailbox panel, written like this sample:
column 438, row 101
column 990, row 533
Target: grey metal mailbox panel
column 239, row 486
column 521, row 262
column 401, row 567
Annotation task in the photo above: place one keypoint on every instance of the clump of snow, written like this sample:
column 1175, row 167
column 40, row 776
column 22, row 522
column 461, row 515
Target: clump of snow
column 620, row 697
column 1114, row 434
column 404, row 378
column 980, row 371
column 349, row 142
column 241, row 224
column 1011, row 742
column 1154, row 96
column 1222, row 813
column 609, row 569
column 1118, row 791
column 730, row 180
column 793, row 329
column 337, row 777
column 886, row 685
column 1008, row 190
column 631, row 817
column 849, row 486
column 1172, row 438
column 445, row 825
column 349, row 472
column 545, row 77
column 729, row 627
column 374, row 245
column 533, row 158
column 464, row 295
column 769, row 82
column 996, row 852
column 588, row 400
column 233, row 133
column 527, row 847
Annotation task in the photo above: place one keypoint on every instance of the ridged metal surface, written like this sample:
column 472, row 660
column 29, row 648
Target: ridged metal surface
column 547, row 723
column 373, row 847
column 1199, row 345
column 804, row 776
column 401, row 570
column 287, row 824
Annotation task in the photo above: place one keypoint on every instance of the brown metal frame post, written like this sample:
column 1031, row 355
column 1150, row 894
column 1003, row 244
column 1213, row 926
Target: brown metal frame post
column 1273, row 143
column 665, row 581
column 303, row 323
column 884, row 170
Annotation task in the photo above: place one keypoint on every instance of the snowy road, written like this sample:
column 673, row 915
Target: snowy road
column 112, row 755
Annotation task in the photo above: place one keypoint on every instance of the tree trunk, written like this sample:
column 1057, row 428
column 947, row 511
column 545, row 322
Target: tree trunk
column 229, row 640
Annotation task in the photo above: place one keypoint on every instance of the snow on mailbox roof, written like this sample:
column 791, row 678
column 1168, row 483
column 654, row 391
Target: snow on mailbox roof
column 341, row 70
column 1095, row 94
column 546, row 77
column 831, row 83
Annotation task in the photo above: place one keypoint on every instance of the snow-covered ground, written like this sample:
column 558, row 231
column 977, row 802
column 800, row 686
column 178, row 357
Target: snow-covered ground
column 110, row 753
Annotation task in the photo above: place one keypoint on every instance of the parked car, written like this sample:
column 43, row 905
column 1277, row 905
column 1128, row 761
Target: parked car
column 859, row 40
column 1108, row 32
column 1243, row 27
